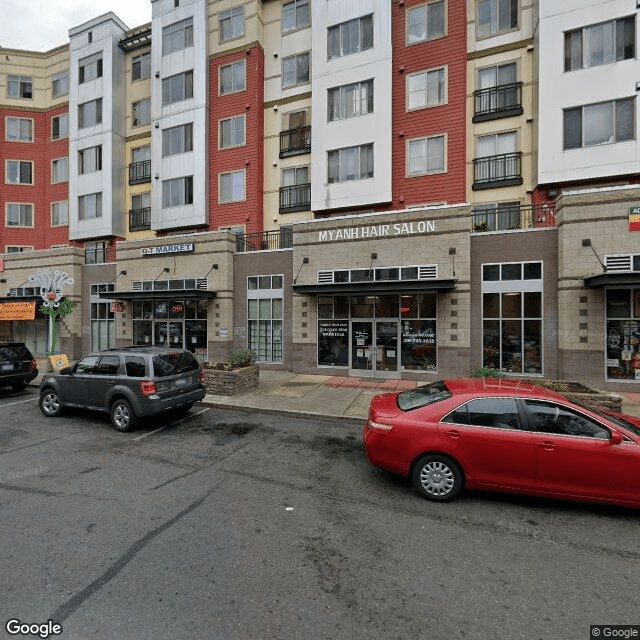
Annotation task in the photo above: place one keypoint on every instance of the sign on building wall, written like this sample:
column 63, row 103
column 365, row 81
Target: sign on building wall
column 183, row 247
column 634, row 218
column 378, row 231
column 17, row 310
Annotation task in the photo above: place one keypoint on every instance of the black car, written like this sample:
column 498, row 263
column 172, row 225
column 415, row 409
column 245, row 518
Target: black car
column 128, row 383
column 17, row 366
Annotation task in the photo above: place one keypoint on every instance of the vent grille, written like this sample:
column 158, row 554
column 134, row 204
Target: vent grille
column 428, row 272
column 620, row 262
column 325, row 277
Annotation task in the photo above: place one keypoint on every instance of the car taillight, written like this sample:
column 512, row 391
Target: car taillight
column 379, row 426
column 148, row 387
column 34, row 365
column 201, row 377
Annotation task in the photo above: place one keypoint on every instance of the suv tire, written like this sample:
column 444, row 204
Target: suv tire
column 122, row 416
column 50, row 403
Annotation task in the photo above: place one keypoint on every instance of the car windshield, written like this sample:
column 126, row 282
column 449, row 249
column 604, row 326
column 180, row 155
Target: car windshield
column 174, row 362
column 621, row 422
column 423, row 396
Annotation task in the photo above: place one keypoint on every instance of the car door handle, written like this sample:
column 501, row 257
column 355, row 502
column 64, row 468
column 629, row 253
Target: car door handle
column 453, row 433
column 548, row 446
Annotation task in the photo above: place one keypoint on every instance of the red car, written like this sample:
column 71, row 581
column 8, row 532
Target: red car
column 504, row 435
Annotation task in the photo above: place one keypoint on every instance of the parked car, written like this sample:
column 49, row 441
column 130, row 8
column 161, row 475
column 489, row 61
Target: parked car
column 504, row 435
column 17, row 366
column 128, row 383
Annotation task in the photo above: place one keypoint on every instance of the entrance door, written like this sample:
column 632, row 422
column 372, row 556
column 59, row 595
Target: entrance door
column 168, row 334
column 374, row 348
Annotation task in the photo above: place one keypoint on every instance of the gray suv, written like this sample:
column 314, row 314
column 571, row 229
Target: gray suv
column 128, row 383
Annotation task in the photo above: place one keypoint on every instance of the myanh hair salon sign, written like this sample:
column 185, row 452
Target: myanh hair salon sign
column 378, row 231
column 183, row 247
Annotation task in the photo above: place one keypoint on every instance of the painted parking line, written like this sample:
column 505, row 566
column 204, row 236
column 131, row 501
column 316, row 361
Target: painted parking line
column 18, row 402
column 168, row 425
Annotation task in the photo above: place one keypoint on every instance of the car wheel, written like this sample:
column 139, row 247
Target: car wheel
column 437, row 477
column 50, row 403
column 122, row 416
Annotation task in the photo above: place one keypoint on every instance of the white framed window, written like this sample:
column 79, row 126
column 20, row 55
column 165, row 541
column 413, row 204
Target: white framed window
column 103, row 319
column 177, row 192
column 90, row 113
column 60, row 126
column 495, row 144
column 598, row 44
column 427, row 88
column 496, row 16
column 19, row 87
column 177, row 140
column 18, row 129
column 141, row 112
column 295, row 15
column 231, row 24
column 17, row 248
column 141, row 200
column 90, row 68
column 232, row 132
column 90, row 206
column 350, row 37
column 140, row 154
column 90, row 159
column 295, row 70
column 265, row 315
column 601, row 123
column 19, row 172
column 59, row 214
column 233, row 77
column 177, row 36
column 350, row 100
column 141, row 66
column 426, row 155
column 426, row 22
column 19, row 215
column 350, row 163
column 176, row 88
column 232, row 187
column 60, row 170
column 60, row 84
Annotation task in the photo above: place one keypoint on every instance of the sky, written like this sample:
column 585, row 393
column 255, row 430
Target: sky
column 41, row 25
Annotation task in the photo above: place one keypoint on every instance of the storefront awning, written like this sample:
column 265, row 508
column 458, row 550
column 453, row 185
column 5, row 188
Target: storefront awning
column 364, row 288
column 178, row 294
column 613, row 280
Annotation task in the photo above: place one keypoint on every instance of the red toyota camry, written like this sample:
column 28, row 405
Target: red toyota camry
column 504, row 435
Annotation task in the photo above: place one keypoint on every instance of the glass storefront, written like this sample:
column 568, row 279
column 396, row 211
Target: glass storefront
column 623, row 334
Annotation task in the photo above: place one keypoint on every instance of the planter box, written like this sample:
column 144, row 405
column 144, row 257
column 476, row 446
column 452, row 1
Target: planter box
column 232, row 382
column 610, row 401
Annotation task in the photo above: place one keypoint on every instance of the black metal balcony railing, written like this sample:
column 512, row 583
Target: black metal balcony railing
column 498, row 102
column 265, row 240
column 139, row 219
column 140, row 172
column 497, row 171
column 296, row 197
column 295, row 141
column 513, row 216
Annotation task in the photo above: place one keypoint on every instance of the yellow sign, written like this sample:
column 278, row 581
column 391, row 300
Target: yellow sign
column 17, row 310
column 59, row 361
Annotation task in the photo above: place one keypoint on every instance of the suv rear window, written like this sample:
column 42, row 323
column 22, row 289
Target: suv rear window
column 423, row 396
column 14, row 352
column 170, row 364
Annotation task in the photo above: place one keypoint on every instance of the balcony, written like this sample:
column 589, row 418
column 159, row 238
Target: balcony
column 140, row 172
column 498, row 102
column 295, row 141
column 140, row 219
column 265, row 240
column 296, row 197
column 511, row 216
column 503, row 170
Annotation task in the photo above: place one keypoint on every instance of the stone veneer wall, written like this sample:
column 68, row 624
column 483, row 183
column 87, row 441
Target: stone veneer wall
column 231, row 383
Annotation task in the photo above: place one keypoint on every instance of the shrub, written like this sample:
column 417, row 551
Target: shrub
column 242, row 358
column 487, row 372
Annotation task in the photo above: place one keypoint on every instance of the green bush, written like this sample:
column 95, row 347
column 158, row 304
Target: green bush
column 487, row 372
column 243, row 358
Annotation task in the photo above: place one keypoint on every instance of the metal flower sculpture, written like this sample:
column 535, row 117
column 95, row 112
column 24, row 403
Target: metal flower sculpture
column 51, row 284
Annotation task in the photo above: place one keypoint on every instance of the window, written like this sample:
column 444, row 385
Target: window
column 177, row 36
column 295, row 70
column 141, row 112
column 426, row 155
column 425, row 22
column 497, row 413
column 19, row 87
column 17, row 249
column 19, row 172
column 141, row 66
column 90, row 68
column 622, row 310
column 141, row 154
column 141, row 200
column 90, row 113
column 177, row 192
column 296, row 188
column 60, row 126
column 232, row 132
column 495, row 16
column 19, row 129
column 598, row 44
column 498, row 90
column 426, row 88
column 350, row 100
column 103, row 328
column 499, row 216
column 295, row 15
column 265, row 301
column 233, row 77
column 59, row 214
column 350, row 37
column 90, row 206
column 95, row 253
column 232, row 187
column 351, row 163
column 19, row 215
column 231, row 24
column 547, row 417
column 60, row 85
column 59, row 170
column 602, row 123
column 178, row 87
column 177, row 140
column 90, row 160
column 496, row 144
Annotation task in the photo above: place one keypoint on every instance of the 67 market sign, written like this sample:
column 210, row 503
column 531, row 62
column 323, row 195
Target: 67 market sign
column 183, row 247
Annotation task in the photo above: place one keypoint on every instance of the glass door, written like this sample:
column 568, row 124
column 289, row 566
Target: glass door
column 374, row 348
column 168, row 334
column 362, row 348
column 386, row 348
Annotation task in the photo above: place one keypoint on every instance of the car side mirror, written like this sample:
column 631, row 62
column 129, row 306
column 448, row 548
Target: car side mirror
column 616, row 437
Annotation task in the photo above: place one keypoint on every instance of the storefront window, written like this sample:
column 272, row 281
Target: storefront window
column 333, row 331
column 623, row 334
column 103, row 321
column 418, row 332
column 265, row 295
